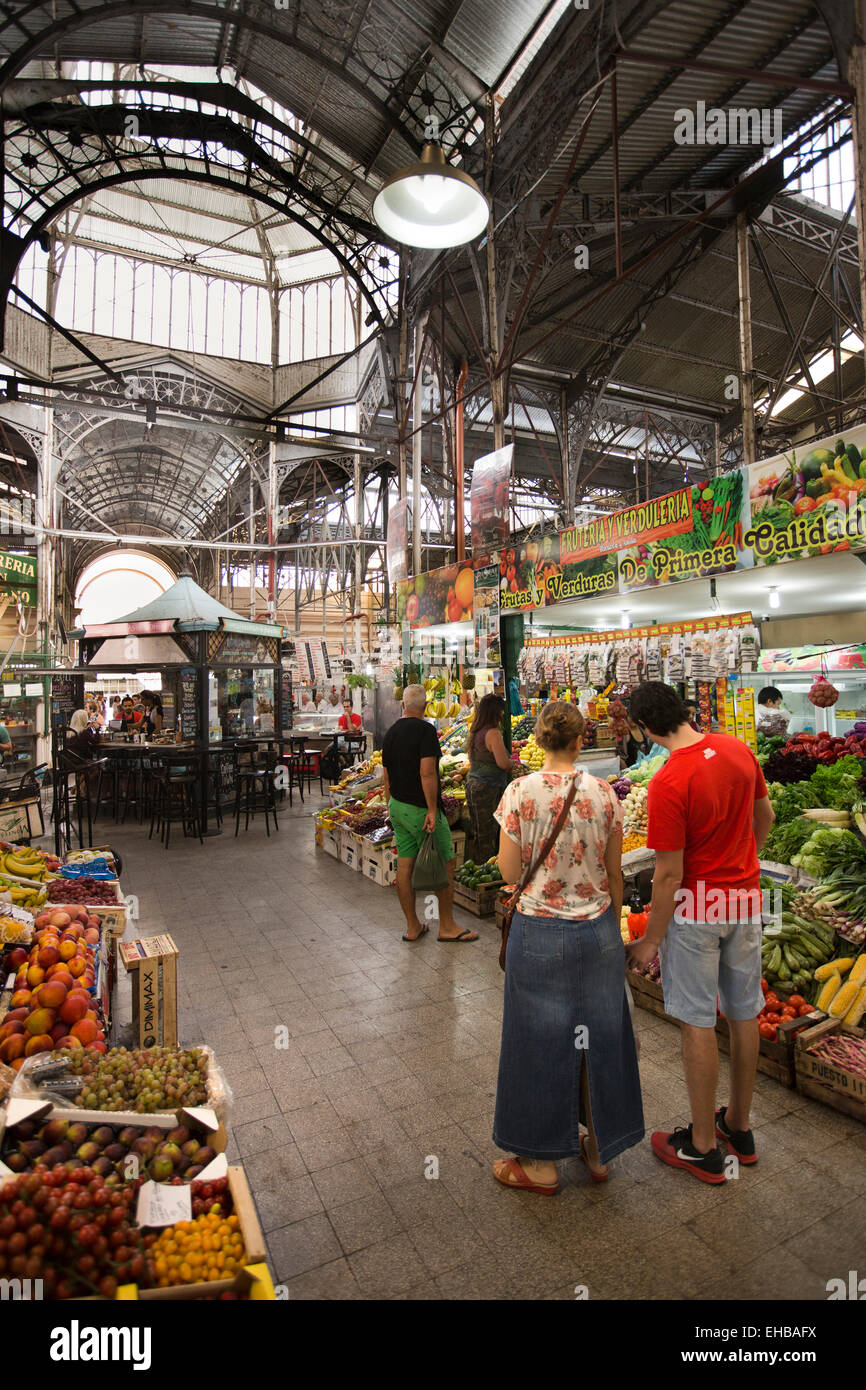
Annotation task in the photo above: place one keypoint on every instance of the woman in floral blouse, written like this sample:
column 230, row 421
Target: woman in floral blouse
column 568, row 1052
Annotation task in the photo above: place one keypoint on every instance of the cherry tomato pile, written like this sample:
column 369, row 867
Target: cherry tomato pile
column 75, row 1230
column 67, row 1227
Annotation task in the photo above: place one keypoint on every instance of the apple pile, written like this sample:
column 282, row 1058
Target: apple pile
column 52, row 1006
column 160, row 1154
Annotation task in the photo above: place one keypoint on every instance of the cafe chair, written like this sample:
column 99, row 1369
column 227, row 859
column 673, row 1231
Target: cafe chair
column 293, row 763
column 177, row 800
column 255, row 785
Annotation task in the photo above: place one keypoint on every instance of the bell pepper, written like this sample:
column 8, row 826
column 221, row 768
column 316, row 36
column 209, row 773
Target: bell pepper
column 818, row 487
column 844, row 463
column 836, row 476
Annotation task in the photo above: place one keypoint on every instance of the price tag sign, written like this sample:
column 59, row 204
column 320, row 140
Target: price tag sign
column 33, row 688
column 13, row 689
column 161, row 1204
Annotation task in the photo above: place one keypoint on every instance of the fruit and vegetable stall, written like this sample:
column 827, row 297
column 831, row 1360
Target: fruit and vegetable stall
column 114, row 1182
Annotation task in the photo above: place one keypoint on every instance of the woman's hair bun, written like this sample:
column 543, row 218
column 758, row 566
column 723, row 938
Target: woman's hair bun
column 558, row 725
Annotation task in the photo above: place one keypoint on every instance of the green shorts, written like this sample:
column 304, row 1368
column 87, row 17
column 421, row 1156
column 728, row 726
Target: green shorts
column 408, row 823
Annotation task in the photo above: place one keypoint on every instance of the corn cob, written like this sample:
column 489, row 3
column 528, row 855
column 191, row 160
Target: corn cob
column 857, row 1009
column 834, row 967
column 858, row 972
column 828, row 993
column 843, row 999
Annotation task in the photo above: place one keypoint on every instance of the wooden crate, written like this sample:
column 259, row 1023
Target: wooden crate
column 501, row 899
column 481, row 902
column 647, row 994
column 825, row 1081
column 775, row 1059
column 154, row 991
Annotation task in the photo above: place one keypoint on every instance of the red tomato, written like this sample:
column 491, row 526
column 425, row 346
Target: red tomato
column 772, row 1018
column 795, row 1000
column 789, row 1013
column 772, row 1001
column 765, row 988
column 804, row 1009
column 768, row 1031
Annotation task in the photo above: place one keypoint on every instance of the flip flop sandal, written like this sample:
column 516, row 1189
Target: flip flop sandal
column 596, row 1177
column 463, row 936
column 525, row 1183
column 422, row 932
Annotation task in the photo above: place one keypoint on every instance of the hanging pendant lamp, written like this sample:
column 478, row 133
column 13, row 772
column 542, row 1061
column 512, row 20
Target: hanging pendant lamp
column 431, row 204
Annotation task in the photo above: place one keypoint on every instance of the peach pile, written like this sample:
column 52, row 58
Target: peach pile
column 52, row 1005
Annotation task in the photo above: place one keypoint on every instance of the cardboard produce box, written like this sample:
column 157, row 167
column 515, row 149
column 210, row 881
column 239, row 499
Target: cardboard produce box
column 154, row 991
column 254, row 1248
column 201, row 1121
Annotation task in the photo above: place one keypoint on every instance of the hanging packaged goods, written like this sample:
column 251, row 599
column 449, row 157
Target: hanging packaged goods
column 702, row 651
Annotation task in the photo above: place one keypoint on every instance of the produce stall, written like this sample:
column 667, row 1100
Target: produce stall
column 113, row 1178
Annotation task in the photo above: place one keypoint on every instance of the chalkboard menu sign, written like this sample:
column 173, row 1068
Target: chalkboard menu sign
column 286, row 699
column 187, row 694
column 169, row 710
column 67, row 695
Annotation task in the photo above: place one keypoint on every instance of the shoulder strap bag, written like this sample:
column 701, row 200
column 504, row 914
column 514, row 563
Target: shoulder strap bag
column 532, row 870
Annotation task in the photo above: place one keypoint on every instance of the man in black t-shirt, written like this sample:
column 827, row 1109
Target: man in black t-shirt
column 410, row 761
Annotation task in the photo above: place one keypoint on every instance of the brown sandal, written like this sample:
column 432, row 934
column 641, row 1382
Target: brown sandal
column 522, row 1179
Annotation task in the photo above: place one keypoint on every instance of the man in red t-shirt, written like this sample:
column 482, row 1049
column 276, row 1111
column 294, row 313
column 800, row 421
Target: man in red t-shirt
column 349, row 722
column 709, row 815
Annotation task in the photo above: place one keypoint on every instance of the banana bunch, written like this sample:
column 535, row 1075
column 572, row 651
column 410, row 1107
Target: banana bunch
column 436, row 709
column 22, row 895
column 24, row 862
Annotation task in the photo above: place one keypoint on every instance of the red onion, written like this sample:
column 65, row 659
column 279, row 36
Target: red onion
column 823, row 694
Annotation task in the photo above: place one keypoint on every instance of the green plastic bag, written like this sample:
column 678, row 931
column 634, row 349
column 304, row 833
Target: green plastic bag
column 429, row 874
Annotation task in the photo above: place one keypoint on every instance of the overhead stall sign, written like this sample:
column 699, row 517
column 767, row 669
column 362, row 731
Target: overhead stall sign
column 659, row 519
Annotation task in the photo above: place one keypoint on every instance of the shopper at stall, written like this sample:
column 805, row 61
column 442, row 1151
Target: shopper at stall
column 709, row 815
column 7, row 749
column 115, row 712
column 489, row 774
column 633, row 744
column 692, row 714
column 326, row 704
column 410, row 762
column 307, row 704
column 153, row 712
column 566, row 1028
column 772, row 718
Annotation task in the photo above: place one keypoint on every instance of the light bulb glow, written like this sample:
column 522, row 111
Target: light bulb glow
column 431, row 204
column 775, row 598
column 432, row 191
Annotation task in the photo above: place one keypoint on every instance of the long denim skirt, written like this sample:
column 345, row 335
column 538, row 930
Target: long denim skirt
column 566, row 1006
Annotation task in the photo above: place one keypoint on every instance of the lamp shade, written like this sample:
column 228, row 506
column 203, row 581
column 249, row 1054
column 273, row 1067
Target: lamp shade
column 431, row 204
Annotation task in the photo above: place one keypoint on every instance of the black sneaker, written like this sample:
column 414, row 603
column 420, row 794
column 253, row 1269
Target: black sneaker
column 740, row 1141
column 678, row 1151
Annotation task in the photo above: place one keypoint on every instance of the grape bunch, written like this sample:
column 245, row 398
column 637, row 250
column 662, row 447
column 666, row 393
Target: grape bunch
column 145, row 1080
column 69, row 1228
column 101, row 893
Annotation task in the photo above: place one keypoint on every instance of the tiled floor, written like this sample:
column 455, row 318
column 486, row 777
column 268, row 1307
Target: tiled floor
column 356, row 1061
